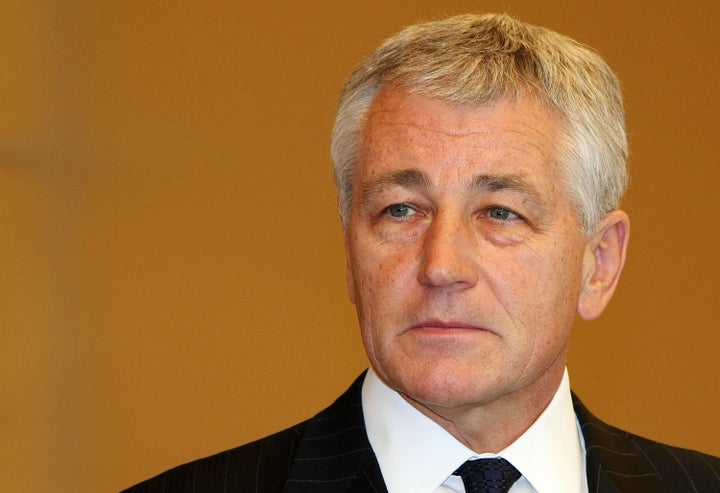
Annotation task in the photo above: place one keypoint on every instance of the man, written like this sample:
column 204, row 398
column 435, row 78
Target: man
column 480, row 164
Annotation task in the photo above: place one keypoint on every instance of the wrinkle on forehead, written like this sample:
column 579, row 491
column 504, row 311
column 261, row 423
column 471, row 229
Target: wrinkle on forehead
column 480, row 126
column 455, row 119
column 499, row 147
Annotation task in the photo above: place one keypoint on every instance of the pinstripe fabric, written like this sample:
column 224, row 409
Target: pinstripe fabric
column 331, row 453
column 334, row 454
column 618, row 461
column 258, row 467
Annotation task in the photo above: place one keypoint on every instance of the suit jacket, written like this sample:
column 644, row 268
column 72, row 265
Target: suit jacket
column 330, row 453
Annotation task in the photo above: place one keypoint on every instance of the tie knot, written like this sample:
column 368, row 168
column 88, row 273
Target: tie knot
column 487, row 475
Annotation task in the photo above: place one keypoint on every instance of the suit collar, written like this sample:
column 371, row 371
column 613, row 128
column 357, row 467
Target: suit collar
column 614, row 464
column 334, row 454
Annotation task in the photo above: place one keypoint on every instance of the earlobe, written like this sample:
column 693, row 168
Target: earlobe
column 604, row 262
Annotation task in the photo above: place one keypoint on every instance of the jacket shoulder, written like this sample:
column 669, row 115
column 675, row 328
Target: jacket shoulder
column 680, row 469
column 257, row 467
column 634, row 463
column 331, row 446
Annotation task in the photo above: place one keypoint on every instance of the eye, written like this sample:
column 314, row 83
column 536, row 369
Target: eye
column 502, row 214
column 399, row 210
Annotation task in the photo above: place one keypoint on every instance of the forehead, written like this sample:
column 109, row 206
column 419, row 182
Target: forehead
column 403, row 128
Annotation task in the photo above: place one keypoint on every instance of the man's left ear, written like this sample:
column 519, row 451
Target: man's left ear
column 604, row 260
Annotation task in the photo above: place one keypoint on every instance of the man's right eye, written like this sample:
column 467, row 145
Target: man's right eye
column 399, row 210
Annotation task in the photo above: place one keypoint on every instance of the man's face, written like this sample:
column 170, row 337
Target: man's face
column 465, row 256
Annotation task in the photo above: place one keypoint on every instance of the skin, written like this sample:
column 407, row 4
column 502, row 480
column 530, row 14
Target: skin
column 466, row 261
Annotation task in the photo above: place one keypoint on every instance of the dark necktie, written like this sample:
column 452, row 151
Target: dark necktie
column 487, row 475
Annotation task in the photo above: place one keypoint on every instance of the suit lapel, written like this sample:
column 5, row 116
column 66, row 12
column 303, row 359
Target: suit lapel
column 614, row 465
column 334, row 454
column 370, row 480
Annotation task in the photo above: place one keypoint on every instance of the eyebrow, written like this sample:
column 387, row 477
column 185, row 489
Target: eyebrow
column 416, row 179
column 499, row 183
column 513, row 183
column 413, row 178
column 406, row 178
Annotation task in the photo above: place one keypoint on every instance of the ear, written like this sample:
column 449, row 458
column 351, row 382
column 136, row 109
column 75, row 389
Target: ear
column 348, row 266
column 603, row 263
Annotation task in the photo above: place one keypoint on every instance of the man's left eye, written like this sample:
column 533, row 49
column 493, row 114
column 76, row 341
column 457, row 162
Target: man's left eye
column 501, row 213
column 400, row 210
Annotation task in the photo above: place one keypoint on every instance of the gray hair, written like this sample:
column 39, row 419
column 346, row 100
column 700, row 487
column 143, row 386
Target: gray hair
column 478, row 59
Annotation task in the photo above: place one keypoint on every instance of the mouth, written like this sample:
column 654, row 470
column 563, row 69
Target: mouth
column 443, row 326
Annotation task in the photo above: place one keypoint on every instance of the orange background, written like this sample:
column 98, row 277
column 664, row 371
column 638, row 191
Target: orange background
column 171, row 270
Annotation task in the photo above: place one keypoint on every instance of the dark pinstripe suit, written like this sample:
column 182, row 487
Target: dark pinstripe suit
column 331, row 453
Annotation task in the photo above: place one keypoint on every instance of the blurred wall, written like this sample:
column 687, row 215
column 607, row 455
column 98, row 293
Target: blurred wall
column 171, row 270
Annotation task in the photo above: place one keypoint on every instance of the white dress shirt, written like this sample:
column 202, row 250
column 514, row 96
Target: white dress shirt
column 416, row 455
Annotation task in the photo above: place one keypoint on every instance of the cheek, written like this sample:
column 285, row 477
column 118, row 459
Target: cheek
column 378, row 282
column 540, row 287
column 379, row 301
column 383, row 285
column 561, row 288
column 377, row 266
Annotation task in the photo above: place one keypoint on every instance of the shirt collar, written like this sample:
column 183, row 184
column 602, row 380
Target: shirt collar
column 550, row 454
column 417, row 455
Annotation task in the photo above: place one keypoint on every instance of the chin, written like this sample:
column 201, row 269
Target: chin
column 441, row 387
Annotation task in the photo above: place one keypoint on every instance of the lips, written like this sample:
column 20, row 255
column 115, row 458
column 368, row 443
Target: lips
column 446, row 325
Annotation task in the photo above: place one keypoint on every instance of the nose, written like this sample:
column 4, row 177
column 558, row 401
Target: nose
column 449, row 254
